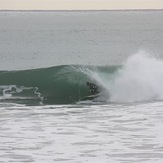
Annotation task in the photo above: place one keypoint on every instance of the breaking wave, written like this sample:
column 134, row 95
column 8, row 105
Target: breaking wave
column 139, row 79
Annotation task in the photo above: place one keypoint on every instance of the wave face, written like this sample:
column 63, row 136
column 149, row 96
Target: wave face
column 139, row 79
column 55, row 85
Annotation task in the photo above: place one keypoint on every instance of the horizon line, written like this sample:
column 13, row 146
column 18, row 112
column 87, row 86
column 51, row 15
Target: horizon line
column 75, row 10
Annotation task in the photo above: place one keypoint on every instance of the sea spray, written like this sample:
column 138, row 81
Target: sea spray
column 140, row 79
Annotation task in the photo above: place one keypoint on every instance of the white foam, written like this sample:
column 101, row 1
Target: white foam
column 7, row 92
column 140, row 79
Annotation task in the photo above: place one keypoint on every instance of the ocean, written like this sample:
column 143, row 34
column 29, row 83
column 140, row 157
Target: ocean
column 46, row 59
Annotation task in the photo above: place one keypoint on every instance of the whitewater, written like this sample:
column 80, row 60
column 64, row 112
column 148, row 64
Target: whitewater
column 46, row 58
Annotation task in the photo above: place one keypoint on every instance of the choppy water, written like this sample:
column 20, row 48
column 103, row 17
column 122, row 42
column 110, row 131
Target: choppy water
column 82, row 133
column 44, row 116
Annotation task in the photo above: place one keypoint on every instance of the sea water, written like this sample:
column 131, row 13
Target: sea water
column 46, row 58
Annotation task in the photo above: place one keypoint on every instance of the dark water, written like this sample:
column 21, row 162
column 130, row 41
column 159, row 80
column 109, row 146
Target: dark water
column 55, row 85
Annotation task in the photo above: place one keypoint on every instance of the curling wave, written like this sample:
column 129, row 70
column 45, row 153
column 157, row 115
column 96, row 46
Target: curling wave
column 140, row 78
column 54, row 85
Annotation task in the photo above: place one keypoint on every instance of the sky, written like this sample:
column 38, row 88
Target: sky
column 79, row 4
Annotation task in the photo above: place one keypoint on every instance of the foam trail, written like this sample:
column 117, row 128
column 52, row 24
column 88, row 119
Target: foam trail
column 140, row 79
column 7, row 92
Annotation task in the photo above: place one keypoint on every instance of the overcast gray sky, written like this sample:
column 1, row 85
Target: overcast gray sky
column 79, row 4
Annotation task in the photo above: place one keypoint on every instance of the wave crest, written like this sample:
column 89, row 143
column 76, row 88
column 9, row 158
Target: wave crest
column 139, row 79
